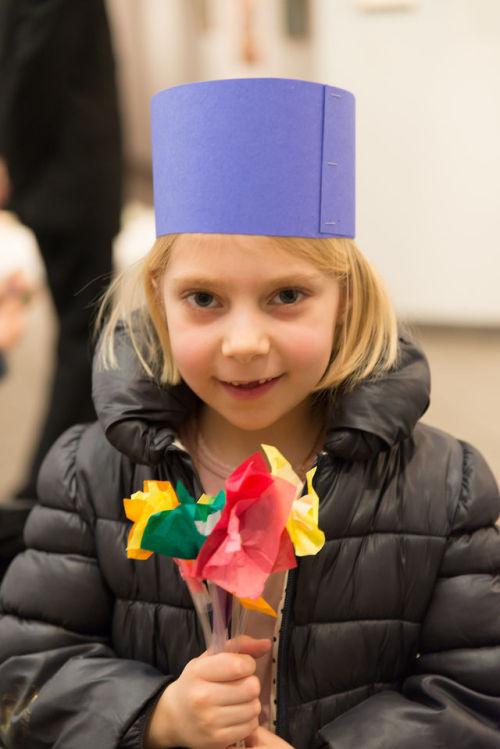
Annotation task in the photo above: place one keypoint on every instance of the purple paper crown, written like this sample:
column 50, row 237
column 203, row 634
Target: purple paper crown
column 268, row 156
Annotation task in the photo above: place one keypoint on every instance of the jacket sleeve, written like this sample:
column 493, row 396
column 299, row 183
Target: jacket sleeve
column 451, row 698
column 61, row 684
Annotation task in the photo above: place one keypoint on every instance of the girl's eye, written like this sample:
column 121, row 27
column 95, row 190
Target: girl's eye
column 202, row 299
column 288, row 296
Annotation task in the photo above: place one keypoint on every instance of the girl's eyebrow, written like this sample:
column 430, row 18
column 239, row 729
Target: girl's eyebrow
column 290, row 279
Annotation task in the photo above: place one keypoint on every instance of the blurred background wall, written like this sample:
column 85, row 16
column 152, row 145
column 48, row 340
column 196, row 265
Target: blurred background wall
column 425, row 76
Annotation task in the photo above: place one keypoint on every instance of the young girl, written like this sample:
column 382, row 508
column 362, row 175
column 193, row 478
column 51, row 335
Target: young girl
column 261, row 323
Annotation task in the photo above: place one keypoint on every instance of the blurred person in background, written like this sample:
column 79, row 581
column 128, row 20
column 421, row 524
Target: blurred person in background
column 61, row 173
column 15, row 292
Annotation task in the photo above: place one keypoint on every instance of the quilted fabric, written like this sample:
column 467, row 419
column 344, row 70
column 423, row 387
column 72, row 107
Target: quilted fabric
column 390, row 635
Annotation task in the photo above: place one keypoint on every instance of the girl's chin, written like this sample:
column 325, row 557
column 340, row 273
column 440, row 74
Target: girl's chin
column 266, row 423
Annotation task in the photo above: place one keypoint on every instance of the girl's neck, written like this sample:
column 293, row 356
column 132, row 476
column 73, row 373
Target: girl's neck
column 297, row 437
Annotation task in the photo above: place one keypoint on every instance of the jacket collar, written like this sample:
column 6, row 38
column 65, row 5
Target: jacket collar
column 140, row 418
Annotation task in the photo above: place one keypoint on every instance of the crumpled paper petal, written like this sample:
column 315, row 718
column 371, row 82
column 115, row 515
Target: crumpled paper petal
column 258, row 506
column 258, row 605
column 182, row 531
column 235, row 543
column 157, row 496
column 302, row 525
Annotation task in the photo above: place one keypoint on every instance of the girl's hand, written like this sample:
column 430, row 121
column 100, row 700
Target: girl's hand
column 261, row 737
column 214, row 703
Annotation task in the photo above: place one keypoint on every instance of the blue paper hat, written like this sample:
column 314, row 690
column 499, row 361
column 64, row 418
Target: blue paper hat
column 268, row 156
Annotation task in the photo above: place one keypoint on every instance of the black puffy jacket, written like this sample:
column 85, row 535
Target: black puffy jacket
column 390, row 636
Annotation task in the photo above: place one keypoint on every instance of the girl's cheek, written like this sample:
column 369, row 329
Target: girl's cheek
column 188, row 348
column 311, row 344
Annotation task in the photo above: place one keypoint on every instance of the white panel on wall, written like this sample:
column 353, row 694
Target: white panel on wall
column 155, row 47
column 428, row 148
column 383, row 5
column 276, row 53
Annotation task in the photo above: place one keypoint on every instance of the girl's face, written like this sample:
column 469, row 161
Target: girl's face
column 251, row 326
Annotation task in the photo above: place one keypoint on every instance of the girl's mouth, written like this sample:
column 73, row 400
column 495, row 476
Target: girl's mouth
column 250, row 389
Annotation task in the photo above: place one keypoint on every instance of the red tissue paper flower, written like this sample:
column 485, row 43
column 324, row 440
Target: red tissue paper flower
column 250, row 540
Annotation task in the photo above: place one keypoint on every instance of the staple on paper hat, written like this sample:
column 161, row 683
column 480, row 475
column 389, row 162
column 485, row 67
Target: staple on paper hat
column 268, row 156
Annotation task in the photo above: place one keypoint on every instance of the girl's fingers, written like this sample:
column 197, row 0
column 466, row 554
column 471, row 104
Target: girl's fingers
column 261, row 737
column 223, row 667
column 248, row 645
column 245, row 645
column 244, row 692
column 235, row 715
column 241, row 645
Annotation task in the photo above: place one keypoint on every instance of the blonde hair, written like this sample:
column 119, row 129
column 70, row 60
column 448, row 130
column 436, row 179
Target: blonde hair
column 365, row 342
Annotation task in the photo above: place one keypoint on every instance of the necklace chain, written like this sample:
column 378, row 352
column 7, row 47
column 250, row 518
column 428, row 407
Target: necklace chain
column 200, row 445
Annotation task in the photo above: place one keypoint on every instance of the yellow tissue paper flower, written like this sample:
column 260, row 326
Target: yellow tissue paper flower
column 157, row 496
column 302, row 524
column 281, row 467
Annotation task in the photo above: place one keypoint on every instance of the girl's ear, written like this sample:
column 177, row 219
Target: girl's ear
column 154, row 280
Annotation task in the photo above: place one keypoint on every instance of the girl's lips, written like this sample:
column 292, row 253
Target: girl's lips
column 250, row 390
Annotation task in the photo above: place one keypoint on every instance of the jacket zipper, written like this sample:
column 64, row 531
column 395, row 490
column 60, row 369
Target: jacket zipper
column 282, row 670
column 282, row 728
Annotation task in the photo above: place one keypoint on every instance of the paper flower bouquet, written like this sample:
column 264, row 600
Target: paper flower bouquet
column 228, row 545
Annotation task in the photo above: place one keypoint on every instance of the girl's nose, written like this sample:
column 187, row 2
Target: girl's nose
column 244, row 339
